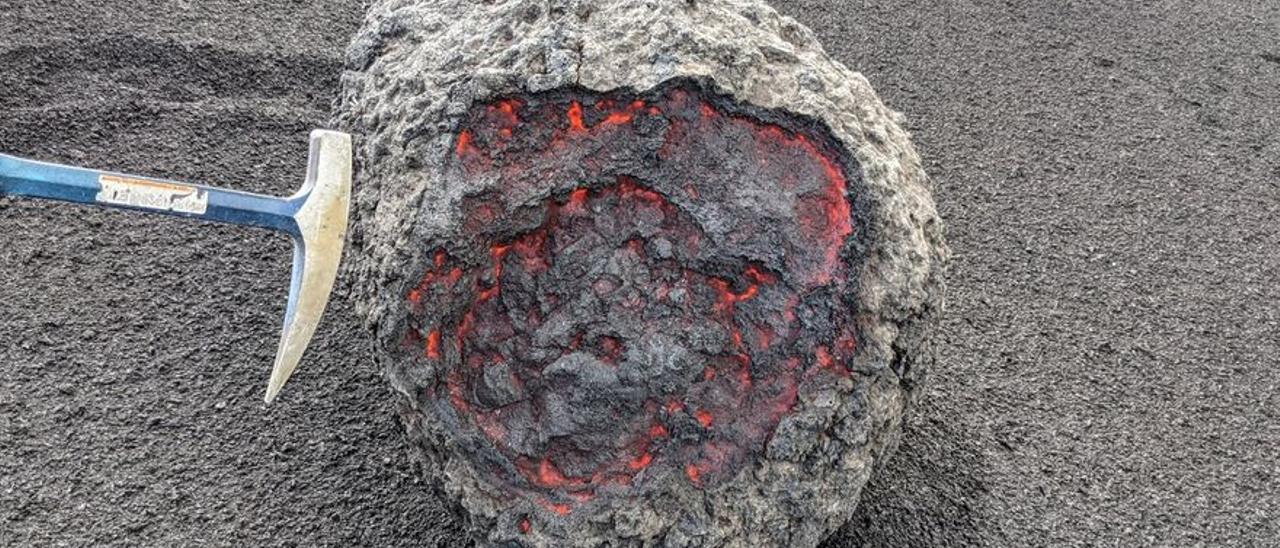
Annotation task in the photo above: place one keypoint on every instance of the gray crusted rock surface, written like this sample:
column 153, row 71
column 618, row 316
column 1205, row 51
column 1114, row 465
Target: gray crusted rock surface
column 415, row 73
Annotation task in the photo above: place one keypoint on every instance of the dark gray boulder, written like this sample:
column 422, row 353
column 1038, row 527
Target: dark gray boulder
column 641, row 273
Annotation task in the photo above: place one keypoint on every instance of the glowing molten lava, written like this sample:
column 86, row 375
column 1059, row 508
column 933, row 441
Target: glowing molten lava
column 643, row 299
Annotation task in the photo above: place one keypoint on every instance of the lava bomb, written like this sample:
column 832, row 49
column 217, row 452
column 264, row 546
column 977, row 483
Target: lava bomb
column 640, row 273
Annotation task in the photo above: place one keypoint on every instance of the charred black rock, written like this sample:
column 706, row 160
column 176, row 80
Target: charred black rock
column 641, row 273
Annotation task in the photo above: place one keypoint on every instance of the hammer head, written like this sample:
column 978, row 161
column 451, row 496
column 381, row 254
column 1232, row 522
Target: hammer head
column 323, row 207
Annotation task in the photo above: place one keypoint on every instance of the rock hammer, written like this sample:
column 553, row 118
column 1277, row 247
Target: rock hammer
column 316, row 217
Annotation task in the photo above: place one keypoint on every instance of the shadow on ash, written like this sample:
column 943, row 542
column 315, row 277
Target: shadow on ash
column 640, row 273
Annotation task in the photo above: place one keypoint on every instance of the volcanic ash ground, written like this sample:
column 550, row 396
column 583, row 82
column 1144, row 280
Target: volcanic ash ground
column 641, row 273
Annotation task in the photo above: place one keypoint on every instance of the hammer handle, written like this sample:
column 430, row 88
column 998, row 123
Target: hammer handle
column 21, row 177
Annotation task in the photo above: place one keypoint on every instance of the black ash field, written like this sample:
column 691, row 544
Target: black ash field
column 1109, row 173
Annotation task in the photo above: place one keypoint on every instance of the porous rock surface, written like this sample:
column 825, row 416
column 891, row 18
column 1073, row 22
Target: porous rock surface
column 415, row 73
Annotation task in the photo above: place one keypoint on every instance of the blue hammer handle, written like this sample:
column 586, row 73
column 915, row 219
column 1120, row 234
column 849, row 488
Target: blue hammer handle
column 19, row 177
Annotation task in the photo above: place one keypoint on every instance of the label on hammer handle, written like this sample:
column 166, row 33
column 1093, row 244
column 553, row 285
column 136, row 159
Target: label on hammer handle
column 152, row 195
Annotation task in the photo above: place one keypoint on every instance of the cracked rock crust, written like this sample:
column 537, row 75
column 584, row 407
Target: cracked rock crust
column 415, row 72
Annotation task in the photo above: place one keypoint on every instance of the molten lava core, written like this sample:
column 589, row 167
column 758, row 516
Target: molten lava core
column 632, row 308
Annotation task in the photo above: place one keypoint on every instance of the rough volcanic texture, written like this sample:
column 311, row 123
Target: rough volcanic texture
column 640, row 272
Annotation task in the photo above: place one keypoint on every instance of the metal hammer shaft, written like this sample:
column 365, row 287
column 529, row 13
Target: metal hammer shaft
column 19, row 177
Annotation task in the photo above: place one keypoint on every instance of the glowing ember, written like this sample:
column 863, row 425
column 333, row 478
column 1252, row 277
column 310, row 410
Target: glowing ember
column 649, row 314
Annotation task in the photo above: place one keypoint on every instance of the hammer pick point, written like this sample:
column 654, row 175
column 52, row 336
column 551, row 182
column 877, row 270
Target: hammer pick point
column 322, row 217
